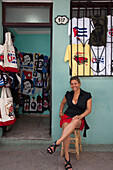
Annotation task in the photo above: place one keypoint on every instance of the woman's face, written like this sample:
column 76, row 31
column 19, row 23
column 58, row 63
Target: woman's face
column 27, row 86
column 27, row 59
column 75, row 85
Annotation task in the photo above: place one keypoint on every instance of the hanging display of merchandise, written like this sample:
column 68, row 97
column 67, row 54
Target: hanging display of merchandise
column 7, row 116
column 34, row 93
column 81, row 59
column 99, row 34
column 90, row 51
column 9, row 82
column 101, row 65
column 34, row 81
column 8, row 61
column 81, row 28
column 26, row 59
column 27, row 85
column 110, row 28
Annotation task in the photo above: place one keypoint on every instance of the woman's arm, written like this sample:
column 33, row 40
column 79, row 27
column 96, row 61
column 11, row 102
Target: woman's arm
column 62, row 106
column 87, row 111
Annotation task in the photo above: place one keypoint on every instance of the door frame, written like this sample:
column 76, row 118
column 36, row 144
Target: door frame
column 32, row 25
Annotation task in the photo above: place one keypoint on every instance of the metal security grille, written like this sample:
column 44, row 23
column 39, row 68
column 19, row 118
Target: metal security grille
column 90, row 28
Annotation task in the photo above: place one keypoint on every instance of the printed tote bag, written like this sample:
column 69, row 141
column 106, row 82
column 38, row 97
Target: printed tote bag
column 7, row 116
column 10, row 61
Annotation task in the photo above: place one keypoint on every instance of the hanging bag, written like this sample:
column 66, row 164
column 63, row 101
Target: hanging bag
column 10, row 62
column 1, row 80
column 7, row 116
column 7, row 80
column 2, row 57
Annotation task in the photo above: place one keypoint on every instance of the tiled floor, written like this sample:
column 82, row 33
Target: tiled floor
column 30, row 156
column 29, row 127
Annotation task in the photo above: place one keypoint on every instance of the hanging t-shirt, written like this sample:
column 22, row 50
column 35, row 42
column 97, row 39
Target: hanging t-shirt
column 110, row 28
column 39, row 104
column 39, row 80
column 99, row 34
column 45, row 65
column 36, row 56
column 40, row 63
column 26, row 106
column 45, row 95
column 81, row 59
column 81, row 28
column 101, row 61
column 27, row 85
column 33, row 104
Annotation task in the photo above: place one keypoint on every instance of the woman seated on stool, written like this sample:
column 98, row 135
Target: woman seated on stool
column 79, row 105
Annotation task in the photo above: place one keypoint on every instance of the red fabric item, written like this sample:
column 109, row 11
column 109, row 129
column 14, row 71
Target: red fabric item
column 28, row 74
column 10, row 122
column 1, row 68
column 68, row 119
column 11, row 69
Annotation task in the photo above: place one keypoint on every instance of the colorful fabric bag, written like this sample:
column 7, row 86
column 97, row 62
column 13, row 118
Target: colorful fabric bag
column 10, row 62
column 7, row 116
column 2, row 57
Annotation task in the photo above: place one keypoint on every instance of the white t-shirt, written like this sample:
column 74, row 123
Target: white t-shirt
column 81, row 28
column 102, row 55
column 109, row 29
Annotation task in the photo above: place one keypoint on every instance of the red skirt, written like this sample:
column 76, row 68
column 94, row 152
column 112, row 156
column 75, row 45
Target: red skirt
column 68, row 119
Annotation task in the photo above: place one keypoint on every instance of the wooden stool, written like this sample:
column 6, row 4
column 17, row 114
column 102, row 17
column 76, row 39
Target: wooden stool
column 76, row 140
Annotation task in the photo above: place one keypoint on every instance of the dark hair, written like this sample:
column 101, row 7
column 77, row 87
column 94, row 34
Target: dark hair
column 75, row 78
column 30, row 81
column 30, row 56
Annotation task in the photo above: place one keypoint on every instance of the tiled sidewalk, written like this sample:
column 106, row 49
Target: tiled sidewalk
column 33, row 156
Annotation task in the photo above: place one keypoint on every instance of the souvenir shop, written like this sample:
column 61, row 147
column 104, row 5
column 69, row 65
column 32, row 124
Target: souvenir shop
column 25, row 77
column 79, row 42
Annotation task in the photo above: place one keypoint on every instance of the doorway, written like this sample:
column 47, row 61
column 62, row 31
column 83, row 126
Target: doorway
column 32, row 39
column 32, row 124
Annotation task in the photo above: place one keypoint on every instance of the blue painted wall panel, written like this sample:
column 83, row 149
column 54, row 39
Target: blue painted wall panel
column 101, row 118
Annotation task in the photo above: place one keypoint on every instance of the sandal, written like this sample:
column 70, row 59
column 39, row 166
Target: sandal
column 68, row 164
column 54, row 145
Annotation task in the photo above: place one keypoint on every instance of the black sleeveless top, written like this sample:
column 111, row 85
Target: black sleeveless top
column 79, row 107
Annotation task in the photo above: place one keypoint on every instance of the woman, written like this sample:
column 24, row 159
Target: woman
column 79, row 105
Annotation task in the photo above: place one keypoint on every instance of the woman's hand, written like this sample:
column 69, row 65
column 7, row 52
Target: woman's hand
column 77, row 117
column 61, row 114
column 62, row 106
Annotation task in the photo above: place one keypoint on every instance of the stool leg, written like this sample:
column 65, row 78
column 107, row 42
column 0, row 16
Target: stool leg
column 80, row 142
column 77, row 144
column 62, row 150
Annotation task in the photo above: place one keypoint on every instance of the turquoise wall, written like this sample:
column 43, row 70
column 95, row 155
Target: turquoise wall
column 33, row 43
column 101, row 118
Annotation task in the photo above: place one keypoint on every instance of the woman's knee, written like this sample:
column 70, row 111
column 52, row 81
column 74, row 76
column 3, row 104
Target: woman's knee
column 64, row 125
column 76, row 121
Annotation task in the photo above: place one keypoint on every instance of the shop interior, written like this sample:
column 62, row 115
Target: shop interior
column 31, row 101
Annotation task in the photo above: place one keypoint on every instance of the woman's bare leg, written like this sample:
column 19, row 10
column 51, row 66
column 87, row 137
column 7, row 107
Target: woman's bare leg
column 66, row 143
column 75, row 123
